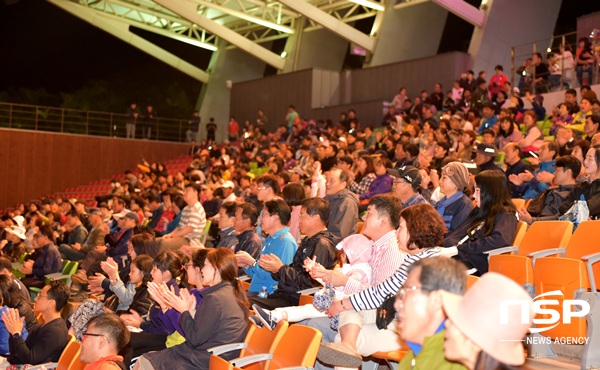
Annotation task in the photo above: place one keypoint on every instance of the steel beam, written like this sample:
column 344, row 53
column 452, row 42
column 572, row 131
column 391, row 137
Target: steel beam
column 189, row 11
column 463, row 10
column 120, row 29
column 407, row 3
column 245, row 16
column 331, row 23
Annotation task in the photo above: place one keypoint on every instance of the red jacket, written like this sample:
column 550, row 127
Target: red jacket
column 233, row 127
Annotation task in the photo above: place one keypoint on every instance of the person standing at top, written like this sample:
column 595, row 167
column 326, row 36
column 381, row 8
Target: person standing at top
column 233, row 128
column 211, row 128
column 497, row 82
column 132, row 116
column 192, row 132
column 262, row 120
column 292, row 117
column 149, row 120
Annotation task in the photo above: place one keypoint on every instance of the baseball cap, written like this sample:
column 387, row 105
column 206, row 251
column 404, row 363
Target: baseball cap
column 94, row 211
column 132, row 215
column 487, row 149
column 228, row 184
column 409, row 173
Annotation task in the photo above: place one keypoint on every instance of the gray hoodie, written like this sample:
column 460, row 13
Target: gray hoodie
column 343, row 214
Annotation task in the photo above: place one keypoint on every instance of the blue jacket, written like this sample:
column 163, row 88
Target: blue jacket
column 454, row 210
column 532, row 188
column 156, row 215
column 174, row 223
column 539, row 110
column 5, row 335
column 283, row 245
column 487, row 123
column 382, row 184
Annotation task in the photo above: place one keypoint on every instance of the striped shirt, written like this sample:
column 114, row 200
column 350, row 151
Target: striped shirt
column 195, row 217
column 364, row 185
column 386, row 259
column 373, row 297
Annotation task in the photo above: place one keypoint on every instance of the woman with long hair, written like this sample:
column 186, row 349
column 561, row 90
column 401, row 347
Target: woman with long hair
column 365, row 175
column 590, row 189
column 293, row 195
column 166, row 269
column 492, row 223
column 509, row 132
column 221, row 319
column 12, row 298
column 473, row 337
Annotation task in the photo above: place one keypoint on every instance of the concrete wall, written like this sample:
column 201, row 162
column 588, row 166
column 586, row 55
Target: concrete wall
column 587, row 23
column 409, row 33
column 40, row 163
column 511, row 23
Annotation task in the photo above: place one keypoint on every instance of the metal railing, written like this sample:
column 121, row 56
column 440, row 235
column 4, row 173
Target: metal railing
column 76, row 121
column 520, row 54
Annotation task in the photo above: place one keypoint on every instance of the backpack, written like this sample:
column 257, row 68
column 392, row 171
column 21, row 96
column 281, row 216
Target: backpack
column 120, row 364
column 578, row 213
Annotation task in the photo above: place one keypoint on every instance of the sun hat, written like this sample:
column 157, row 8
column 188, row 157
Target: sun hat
column 478, row 316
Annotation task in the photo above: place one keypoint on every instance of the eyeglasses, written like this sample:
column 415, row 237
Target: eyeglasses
column 41, row 296
column 86, row 334
column 261, row 188
column 402, row 291
column 188, row 265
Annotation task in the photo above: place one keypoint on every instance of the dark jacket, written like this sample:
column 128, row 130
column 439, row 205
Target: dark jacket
column 515, row 169
column 591, row 193
column 490, row 165
column 78, row 235
column 156, row 215
column 26, row 311
column 471, row 251
column 552, row 199
column 219, row 320
column 45, row 343
column 117, row 249
column 343, row 214
column 154, row 324
column 293, row 277
column 456, row 213
column 229, row 239
column 48, row 262
column 249, row 242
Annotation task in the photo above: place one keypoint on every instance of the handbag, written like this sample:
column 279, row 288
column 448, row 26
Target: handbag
column 386, row 312
column 537, row 204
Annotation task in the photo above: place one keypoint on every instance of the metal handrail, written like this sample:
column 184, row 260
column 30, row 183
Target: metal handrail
column 85, row 122
column 553, row 46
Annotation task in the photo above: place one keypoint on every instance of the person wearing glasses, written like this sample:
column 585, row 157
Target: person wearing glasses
column 105, row 337
column 420, row 230
column 407, row 181
column 46, row 341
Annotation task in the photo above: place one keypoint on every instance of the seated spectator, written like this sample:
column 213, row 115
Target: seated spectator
column 14, row 246
column 442, row 150
column 466, row 146
column 485, row 155
column 590, row 189
column 420, row 314
column 579, row 118
column 355, row 258
column 546, row 205
column 275, row 216
column 365, row 175
column 268, row 189
column 6, row 269
column 475, row 336
column 516, row 169
column 508, row 133
column 166, row 269
column 94, row 239
column 536, row 102
column 77, row 235
column 488, row 136
column 591, row 127
column 318, row 245
column 228, row 194
column 133, row 295
column 489, row 118
column 227, row 233
column 529, row 185
column 46, row 341
column 565, row 140
column 564, row 118
column 382, row 183
column 105, row 337
column 117, row 242
column 420, row 229
column 533, row 134
column 408, row 195
column 491, row 225
column 211, row 203
column 48, row 262
column 158, row 209
column 221, row 319
column 246, row 216
column 177, row 204
column 343, row 205
column 455, row 206
column 293, row 195
column 11, row 298
column 191, row 226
